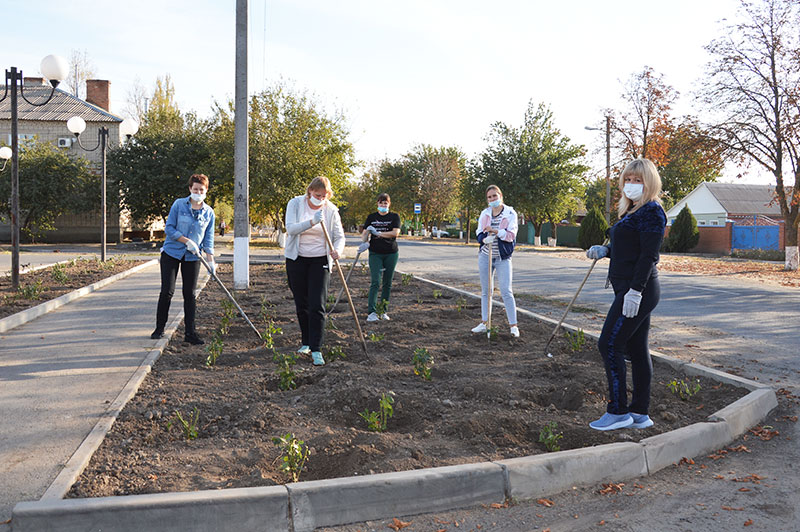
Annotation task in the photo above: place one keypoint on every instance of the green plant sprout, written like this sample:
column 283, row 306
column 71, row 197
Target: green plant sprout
column 381, row 307
column 336, row 352
column 269, row 334
column 493, row 332
column 376, row 337
column 423, row 361
column 285, row 373
column 576, row 340
column 406, row 279
column 461, row 303
column 264, row 313
column 189, row 425
column 214, row 349
column 549, row 437
column 685, row 390
column 59, row 274
column 376, row 421
column 31, row 291
column 330, row 324
column 437, row 294
column 294, row 454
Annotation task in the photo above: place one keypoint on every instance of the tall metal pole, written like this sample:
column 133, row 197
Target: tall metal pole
column 103, row 132
column 608, row 169
column 13, row 77
column 241, row 187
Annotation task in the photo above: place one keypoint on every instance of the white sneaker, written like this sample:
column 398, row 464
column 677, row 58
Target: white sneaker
column 304, row 350
column 481, row 328
column 373, row 317
column 386, row 317
column 515, row 331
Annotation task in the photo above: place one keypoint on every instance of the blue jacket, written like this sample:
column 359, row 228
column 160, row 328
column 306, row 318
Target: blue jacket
column 195, row 224
column 635, row 243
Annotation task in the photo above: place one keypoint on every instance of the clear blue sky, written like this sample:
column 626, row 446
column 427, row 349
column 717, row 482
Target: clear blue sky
column 436, row 71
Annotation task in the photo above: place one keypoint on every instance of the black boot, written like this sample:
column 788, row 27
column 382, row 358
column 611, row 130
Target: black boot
column 193, row 339
column 158, row 333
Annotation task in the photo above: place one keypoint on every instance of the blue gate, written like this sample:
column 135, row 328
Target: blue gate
column 755, row 236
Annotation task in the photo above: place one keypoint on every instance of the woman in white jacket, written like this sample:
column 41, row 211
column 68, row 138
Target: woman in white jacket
column 497, row 231
column 309, row 261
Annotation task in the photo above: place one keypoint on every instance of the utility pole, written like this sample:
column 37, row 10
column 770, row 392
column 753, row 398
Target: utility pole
column 241, row 186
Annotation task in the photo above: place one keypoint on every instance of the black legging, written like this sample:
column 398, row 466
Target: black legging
column 190, row 271
column 308, row 280
column 628, row 338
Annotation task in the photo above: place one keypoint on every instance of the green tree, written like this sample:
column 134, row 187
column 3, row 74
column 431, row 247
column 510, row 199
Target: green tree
column 50, row 184
column 153, row 169
column 292, row 140
column 684, row 234
column 693, row 157
column 593, row 229
column 537, row 167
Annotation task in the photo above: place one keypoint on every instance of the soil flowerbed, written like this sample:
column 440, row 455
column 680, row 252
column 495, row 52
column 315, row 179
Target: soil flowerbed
column 485, row 400
column 45, row 284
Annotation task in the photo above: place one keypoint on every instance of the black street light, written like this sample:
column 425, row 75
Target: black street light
column 608, row 164
column 128, row 128
column 54, row 68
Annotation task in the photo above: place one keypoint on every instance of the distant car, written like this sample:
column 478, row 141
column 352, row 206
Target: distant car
column 439, row 233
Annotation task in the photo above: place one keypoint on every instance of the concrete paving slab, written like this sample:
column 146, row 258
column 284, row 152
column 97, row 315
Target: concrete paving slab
column 354, row 499
column 536, row 476
column 747, row 411
column 668, row 448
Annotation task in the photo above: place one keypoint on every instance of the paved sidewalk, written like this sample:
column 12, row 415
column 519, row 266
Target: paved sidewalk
column 60, row 372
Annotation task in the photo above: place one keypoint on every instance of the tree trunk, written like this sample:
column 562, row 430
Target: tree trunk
column 537, row 233
column 468, row 225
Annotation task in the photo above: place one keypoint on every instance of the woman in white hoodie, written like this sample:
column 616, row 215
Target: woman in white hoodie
column 309, row 261
column 497, row 231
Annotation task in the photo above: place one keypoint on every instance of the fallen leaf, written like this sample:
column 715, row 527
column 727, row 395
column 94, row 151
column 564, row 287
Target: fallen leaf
column 685, row 460
column 611, row 488
column 699, row 407
column 744, row 489
column 719, row 477
column 398, row 524
column 498, row 505
column 748, row 522
column 546, row 502
column 793, row 419
column 739, row 449
column 539, row 515
column 602, row 522
column 732, row 509
column 638, row 486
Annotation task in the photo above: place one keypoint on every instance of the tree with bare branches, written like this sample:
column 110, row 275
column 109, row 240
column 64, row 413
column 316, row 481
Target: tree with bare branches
column 752, row 91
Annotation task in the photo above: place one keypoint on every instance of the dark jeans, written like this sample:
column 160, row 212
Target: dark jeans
column 377, row 262
column 628, row 338
column 308, row 280
column 190, row 271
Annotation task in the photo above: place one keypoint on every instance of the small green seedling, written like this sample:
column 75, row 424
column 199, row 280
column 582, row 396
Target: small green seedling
column 264, row 313
column 294, row 454
column 375, row 337
column 331, row 299
column 423, row 362
column 269, row 334
column 335, row 352
column 31, row 291
column 493, row 332
column 376, row 421
column 420, row 300
column 437, row 294
column 59, row 274
column 330, row 324
column 461, row 303
column 214, row 349
column 576, row 340
column 286, row 374
column 685, row 390
column 381, row 307
column 228, row 313
column 406, row 279
column 189, row 425
column 549, row 437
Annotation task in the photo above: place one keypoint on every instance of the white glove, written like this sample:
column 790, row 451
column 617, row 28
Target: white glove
column 631, row 302
column 363, row 247
column 192, row 247
column 372, row 230
column 489, row 239
column 597, row 252
column 501, row 233
column 317, row 217
column 213, row 266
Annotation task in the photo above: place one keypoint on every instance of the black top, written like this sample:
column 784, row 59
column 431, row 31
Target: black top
column 383, row 223
column 635, row 242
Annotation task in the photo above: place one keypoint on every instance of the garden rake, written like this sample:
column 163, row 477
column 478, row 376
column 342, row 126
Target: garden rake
column 566, row 311
column 214, row 276
column 346, row 291
column 341, row 291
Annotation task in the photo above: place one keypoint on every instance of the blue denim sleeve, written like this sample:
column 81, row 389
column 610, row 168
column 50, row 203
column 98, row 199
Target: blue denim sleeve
column 208, row 238
column 171, row 227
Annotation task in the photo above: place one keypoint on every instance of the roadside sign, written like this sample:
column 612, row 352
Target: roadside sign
column 417, row 208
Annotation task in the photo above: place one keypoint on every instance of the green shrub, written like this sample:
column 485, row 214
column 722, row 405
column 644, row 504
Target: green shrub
column 593, row 229
column 684, row 234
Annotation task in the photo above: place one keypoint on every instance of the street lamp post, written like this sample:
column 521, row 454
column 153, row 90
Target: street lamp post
column 128, row 128
column 608, row 165
column 54, row 68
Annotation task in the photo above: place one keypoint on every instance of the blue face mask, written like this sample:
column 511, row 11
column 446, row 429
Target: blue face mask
column 495, row 203
column 383, row 210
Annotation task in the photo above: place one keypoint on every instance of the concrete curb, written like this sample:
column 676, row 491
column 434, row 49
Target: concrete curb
column 303, row 506
column 15, row 320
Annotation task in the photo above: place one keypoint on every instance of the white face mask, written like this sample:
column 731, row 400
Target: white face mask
column 198, row 198
column 315, row 202
column 633, row 191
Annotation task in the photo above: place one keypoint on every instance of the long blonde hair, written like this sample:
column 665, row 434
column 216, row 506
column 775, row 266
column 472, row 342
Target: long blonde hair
column 320, row 183
column 645, row 169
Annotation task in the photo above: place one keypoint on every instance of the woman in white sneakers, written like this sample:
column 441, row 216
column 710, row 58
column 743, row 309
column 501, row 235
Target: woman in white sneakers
column 308, row 259
column 497, row 231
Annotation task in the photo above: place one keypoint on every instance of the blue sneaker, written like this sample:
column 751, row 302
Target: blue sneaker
column 304, row 350
column 316, row 358
column 641, row 421
column 612, row 422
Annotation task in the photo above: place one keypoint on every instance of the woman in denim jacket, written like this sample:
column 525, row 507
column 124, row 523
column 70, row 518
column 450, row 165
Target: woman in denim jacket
column 497, row 231
column 189, row 230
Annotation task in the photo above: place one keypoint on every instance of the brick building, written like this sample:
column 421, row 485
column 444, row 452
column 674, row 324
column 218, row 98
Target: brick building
column 49, row 123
